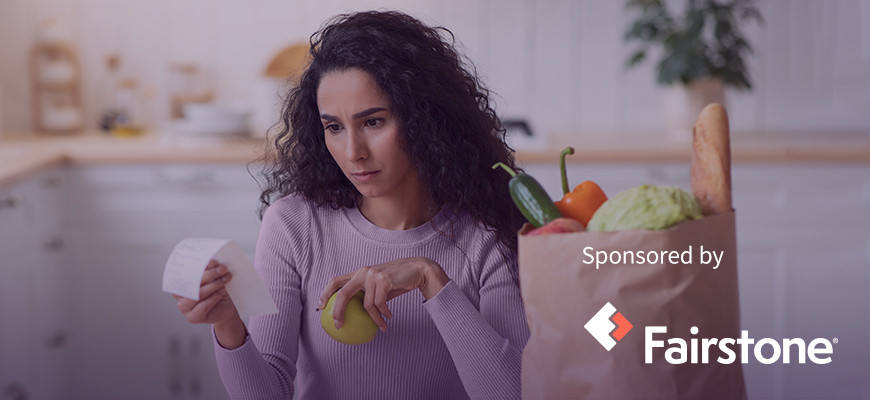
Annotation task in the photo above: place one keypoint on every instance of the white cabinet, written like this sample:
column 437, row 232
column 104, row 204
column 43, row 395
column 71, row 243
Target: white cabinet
column 82, row 251
column 803, row 239
column 804, row 252
column 16, row 329
column 122, row 221
column 33, row 307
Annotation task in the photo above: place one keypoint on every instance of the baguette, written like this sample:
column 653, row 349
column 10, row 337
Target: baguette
column 711, row 160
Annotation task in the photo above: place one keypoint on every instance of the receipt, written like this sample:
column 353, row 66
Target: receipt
column 187, row 262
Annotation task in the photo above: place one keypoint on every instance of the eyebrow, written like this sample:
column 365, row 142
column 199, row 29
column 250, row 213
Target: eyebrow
column 361, row 114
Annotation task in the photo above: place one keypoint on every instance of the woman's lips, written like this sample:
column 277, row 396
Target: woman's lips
column 362, row 177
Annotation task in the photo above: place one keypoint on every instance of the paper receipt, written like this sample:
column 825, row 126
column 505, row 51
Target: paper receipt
column 187, row 262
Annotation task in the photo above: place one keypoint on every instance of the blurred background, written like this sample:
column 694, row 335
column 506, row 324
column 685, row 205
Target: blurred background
column 548, row 60
column 127, row 125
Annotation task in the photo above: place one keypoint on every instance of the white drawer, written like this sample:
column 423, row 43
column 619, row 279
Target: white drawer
column 177, row 192
column 29, row 212
column 139, row 176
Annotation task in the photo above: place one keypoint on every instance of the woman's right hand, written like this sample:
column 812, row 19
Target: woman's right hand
column 214, row 305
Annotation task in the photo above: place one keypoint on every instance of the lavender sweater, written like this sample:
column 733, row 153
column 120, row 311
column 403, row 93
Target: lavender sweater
column 466, row 341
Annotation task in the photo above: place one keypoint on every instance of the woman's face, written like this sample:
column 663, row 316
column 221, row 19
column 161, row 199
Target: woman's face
column 362, row 134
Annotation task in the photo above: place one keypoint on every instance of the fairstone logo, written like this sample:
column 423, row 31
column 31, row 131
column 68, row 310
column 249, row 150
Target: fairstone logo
column 600, row 326
column 679, row 352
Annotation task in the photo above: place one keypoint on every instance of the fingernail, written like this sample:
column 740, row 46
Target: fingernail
column 319, row 304
column 337, row 324
column 384, row 329
column 227, row 278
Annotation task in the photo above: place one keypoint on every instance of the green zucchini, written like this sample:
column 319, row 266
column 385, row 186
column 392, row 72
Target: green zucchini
column 530, row 198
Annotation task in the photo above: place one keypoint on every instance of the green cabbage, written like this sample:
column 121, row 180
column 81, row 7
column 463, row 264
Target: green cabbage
column 645, row 207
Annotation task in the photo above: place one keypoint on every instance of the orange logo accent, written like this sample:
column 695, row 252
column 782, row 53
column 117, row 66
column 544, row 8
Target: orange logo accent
column 622, row 326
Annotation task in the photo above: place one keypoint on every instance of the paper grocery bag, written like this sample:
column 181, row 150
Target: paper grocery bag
column 563, row 360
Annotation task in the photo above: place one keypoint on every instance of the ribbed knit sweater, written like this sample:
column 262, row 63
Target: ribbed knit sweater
column 464, row 342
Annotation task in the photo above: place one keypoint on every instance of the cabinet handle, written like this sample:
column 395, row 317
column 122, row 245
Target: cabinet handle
column 15, row 391
column 54, row 245
column 53, row 181
column 175, row 368
column 9, row 202
column 57, row 340
column 654, row 173
column 195, row 386
column 186, row 177
column 663, row 174
column 194, row 383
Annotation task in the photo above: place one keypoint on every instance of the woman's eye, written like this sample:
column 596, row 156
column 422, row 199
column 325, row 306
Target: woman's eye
column 333, row 128
column 373, row 122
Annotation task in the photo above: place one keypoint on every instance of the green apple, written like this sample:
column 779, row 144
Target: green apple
column 358, row 327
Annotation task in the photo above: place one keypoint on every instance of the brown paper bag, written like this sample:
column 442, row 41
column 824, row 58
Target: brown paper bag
column 562, row 360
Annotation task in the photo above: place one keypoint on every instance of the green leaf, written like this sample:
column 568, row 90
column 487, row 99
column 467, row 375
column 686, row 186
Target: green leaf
column 672, row 40
column 673, row 67
column 752, row 13
column 637, row 30
column 696, row 20
column 689, row 53
column 636, row 58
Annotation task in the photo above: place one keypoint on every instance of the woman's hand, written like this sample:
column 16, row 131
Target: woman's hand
column 215, row 306
column 382, row 283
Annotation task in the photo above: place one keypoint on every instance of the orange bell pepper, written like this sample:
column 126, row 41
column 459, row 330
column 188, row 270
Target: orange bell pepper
column 581, row 203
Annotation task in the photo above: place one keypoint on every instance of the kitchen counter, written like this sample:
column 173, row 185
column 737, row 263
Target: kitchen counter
column 761, row 147
column 22, row 153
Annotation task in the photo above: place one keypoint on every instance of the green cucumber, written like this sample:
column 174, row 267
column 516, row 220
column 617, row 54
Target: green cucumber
column 530, row 198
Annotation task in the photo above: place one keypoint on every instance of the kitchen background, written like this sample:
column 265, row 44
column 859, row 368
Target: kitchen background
column 88, row 220
column 557, row 63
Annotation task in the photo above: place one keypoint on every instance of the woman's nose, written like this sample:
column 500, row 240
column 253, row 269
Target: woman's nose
column 357, row 148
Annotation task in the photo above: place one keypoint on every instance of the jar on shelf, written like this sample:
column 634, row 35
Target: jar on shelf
column 55, row 80
column 188, row 83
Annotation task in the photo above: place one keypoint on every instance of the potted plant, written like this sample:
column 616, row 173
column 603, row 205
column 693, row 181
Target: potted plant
column 701, row 51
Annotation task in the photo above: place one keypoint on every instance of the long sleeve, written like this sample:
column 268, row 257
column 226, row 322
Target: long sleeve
column 486, row 344
column 265, row 365
column 465, row 341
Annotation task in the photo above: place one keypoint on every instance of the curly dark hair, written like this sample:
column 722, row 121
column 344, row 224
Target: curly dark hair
column 449, row 127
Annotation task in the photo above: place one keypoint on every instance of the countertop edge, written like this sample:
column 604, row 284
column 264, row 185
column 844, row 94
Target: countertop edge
column 19, row 159
column 22, row 168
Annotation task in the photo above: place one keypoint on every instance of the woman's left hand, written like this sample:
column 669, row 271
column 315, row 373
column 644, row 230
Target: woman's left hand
column 382, row 283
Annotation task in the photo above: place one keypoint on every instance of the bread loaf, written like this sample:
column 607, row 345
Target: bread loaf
column 711, row 160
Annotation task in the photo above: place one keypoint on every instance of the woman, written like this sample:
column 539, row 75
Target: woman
column 385, row 186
